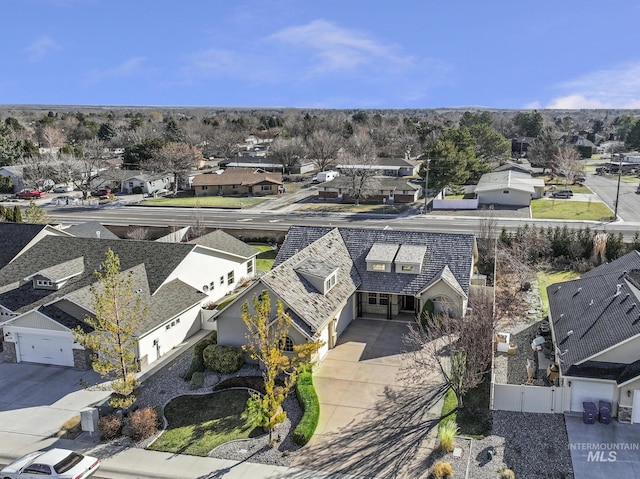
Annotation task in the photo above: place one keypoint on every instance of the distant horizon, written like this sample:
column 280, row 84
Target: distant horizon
column 329, row 55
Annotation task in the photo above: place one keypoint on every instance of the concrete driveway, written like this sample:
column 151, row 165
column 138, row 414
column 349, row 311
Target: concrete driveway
column 37, row 399
column 374, row 420
column 603, row 450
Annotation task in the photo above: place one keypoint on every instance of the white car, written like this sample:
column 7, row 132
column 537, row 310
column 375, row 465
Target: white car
column 62, row 189
column 54, row 464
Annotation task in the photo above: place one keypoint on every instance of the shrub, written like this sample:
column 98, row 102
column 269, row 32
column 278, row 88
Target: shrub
column 203, row 343
column 110, row 426
column 196, row 366
column 447, row 435
column 507, row 473
column 223, row 359
column 308, row 400
column 441, row 470
column 197, row 380
column 136, row 190
column 143, row 423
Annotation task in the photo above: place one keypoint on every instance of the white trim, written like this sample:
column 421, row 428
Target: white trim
column 637, row 336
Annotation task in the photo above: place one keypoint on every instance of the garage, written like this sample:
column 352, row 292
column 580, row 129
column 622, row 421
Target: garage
column 49, row 349
column 592, row 391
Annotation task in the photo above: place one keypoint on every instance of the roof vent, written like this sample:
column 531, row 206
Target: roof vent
column 591, row 303
column 138, row 291
column 618, row 289
column 570, row 332
column 559, row 286
column 562, row 316
column 626, row 296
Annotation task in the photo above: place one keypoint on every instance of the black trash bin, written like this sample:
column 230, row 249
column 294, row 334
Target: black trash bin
column 605, row 412
column 589, row 413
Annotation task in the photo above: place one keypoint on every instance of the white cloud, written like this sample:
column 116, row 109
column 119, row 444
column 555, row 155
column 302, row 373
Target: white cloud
column 338, row 49
column 40, row 47
column 617, row 87
column 126, row 68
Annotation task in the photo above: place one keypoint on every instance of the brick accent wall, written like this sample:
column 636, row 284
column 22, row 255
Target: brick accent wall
column 10, row 355
column 82, row 359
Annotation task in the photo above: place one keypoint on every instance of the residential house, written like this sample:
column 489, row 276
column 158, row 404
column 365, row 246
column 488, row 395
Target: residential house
column 595, row 326
column 302, row 166
column 237, row 182
column 508, row 187
column 397, row 167
column 90, row 229
column 15, row 173
column 327, row 277
column 148, row 182
column 517, row 167
column 46, row 292
column 384, row 190
column 19, row 237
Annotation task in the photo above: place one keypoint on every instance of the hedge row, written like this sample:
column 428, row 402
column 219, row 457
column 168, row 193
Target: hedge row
column 308, row 400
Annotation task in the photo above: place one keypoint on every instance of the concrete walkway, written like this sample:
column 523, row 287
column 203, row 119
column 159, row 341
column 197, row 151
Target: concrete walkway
column 374, row 421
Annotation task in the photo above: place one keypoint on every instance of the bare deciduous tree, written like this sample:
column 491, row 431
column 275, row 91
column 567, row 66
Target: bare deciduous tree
column 459, row 349
column 567, row 162
column 322, row 147
column 51, row 137
column 177, row 159
column 287, row 152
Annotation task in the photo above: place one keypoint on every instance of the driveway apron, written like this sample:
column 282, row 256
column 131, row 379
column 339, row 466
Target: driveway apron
column 375, row 420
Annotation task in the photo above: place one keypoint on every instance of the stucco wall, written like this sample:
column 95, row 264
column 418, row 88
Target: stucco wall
column 497, row 197
column 624, row 353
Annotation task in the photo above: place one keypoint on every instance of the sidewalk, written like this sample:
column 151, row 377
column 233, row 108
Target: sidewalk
column 135, row 463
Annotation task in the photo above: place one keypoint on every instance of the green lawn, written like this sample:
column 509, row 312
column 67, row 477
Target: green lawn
column 265, row 258
column 548, row 278
column 198, row 423
column 630, row 178
column 562, row 209
column 205, row 202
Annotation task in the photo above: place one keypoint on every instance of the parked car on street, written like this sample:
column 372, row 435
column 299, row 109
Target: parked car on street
column 562, row 194
column 65, row 199
column 101, row 192
column 62, row 189
column 54, row 464
column 30, row 194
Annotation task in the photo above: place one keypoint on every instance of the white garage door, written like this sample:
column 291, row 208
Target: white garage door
column 635, row 412
column 590, row 391
column 36, row 348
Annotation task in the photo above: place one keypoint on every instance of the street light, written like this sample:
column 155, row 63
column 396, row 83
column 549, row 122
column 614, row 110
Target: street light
column 426, row 186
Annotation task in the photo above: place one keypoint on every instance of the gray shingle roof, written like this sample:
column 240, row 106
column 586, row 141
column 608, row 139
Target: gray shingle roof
column 14, row 237
column 318, row 267
column 442, row 249
column 599, row 313
column 221, row 241
column 64, row 270
column 91, row 229
column 383, row 252
column 311, row 308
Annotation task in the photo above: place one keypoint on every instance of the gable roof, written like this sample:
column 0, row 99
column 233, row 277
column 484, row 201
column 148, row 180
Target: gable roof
column 381, row 183
column 14, row 237
column 595, row 313
column 510, row 165
column 237, row 176
column 221, row 241
column 508, row 179
column 442, row 249
column 160, row 259
column 90, row 229
column 309, row 308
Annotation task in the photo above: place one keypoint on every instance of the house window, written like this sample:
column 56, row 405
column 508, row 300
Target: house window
column 265, row 187
column 250, row 267
column 43, row 282
column 384, row 299
column 230, row 279
column 378, row 267
column 329, row 283
column 221, row 279
column 212, row 285
column 287, row 345
column 505, row 192
column 442, row 304
column 373, row 298
column 205, row 187
column 235, row 187
column 407, row 267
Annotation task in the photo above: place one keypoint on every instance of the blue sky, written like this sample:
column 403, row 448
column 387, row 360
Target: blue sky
column 321, row 53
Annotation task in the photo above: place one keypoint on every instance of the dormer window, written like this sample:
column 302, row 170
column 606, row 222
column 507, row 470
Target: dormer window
column 322, row 275
column 380, row 257
column 44, row 283
column 378, row 267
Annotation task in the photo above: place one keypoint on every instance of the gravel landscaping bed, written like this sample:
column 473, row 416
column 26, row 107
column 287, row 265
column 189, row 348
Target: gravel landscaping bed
column 533, row 446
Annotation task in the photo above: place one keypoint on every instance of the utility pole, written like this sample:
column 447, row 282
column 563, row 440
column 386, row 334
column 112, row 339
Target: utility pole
column 426, row 187
column 615, row 213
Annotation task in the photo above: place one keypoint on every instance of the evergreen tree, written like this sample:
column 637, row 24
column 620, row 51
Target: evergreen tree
column 36, row 215
column 16, row 217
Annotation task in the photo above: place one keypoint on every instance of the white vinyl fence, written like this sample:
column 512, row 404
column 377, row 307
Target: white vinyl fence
column 522, row 398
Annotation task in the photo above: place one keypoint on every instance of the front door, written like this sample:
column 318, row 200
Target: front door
column 408, row 303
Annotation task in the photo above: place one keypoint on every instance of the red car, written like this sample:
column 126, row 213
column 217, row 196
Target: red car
column 101, row 192
column 30, row 194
